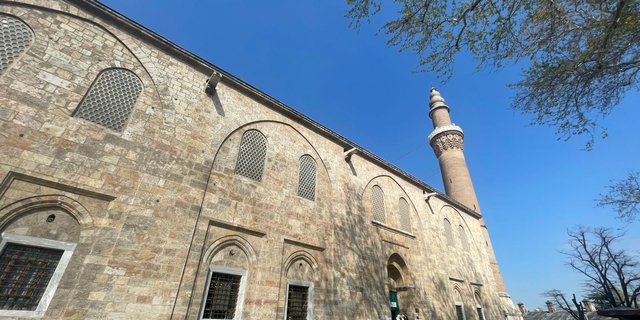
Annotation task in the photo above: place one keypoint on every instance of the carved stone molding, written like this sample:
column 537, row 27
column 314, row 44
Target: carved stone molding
column 447, row 141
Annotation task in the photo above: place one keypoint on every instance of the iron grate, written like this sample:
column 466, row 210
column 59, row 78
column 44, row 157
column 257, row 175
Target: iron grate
column 253, row 151
column 110, row 99
column 447, row 232
column 480, row 313
column 377, row 200
column 297, row 303
column 463, row 238
column 222, row 296
column 15, row 37
column 307, row 178
column 25, row 272
column 405, row 217
column 459, row 312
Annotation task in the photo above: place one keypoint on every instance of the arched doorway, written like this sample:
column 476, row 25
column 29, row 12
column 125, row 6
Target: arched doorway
column 400, row 297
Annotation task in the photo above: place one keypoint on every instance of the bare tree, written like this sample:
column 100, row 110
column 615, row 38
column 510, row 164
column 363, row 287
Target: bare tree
column 624, row 197
column 583, row 56
column 611, row 272
column 575, row 309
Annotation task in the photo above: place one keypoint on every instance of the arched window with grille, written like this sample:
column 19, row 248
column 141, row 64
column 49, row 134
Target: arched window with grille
column 460, row 315
column 307, row 178
column 463, row 238
column 253, row 151
column 479, row 307
column 448, row 232
column 405, row 216
column 110, row 99
column 377, row 202
column 15, row 38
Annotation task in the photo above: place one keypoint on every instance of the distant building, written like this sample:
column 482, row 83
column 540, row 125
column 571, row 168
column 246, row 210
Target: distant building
column 142, row 182
column 553, row 314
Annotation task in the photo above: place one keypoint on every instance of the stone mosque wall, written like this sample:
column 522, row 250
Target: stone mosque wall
column 129, row 193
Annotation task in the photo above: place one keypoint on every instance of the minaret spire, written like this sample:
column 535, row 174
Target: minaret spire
column 447, row 142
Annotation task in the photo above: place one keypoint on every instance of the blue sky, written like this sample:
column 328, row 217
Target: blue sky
column 531, row 187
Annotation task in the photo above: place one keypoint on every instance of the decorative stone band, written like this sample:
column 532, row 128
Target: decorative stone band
column 446, row 138
column 437, row 106
column 439, row 130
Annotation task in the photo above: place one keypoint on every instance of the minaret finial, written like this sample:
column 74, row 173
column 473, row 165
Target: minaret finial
column 436, row 100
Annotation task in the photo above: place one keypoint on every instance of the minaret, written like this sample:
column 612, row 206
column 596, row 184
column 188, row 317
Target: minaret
column 447, row 142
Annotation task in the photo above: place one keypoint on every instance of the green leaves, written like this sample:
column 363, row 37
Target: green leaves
column 584, row 55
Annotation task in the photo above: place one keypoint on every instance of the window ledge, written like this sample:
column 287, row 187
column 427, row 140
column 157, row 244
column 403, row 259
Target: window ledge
column 388, row 228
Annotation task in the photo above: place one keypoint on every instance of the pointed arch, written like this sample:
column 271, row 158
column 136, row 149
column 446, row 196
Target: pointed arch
column 53, row 201
column 226, row 241
column 300, row 255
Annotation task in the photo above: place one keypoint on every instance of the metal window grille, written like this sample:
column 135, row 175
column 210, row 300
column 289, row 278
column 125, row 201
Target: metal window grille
column 15, row 37
column 307, row 178
column 25, row 272
column 405, row 216
column 253, row 150
column 222, row 296
column 377, row 200
column 447, row 232
column 463, row 238
column 110, row 99
column 459, row 312
column 480, row 314
column 297, row 302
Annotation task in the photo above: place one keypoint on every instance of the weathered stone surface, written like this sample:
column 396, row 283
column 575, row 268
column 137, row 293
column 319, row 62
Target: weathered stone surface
column 153, row 207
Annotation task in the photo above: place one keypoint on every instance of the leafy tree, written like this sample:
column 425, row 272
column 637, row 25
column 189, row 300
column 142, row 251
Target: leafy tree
column 624, row 197
column 583, row 55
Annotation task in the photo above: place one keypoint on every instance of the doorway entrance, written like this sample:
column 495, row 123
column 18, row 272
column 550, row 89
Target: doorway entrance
column 393, row 302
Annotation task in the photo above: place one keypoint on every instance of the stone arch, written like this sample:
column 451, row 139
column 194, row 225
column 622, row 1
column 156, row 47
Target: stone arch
column 457, row 294
column 317, row 156
column 74, row 208
column 227, row 241
column 301, row 265
column 103, row 64
column 398, row 271
column 413, row 210
column 450, row 212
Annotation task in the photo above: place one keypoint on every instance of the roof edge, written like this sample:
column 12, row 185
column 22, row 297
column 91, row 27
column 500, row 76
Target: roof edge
column 104, row 12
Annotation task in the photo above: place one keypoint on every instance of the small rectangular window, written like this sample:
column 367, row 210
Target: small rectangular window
column 25, row 272
column 297, row 302
column 222, row 296
column 480, row 313
column 30, row 271
column 459, row 312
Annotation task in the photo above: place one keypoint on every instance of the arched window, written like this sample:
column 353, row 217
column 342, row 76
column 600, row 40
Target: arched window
column 253, row 151
column 110, row 99
column 405, row 216
column 463, row 238
column 447, row 232
column 377, row 201
column 459, row 306
column 307, row 178
column 15, row 37
column 479, row 307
